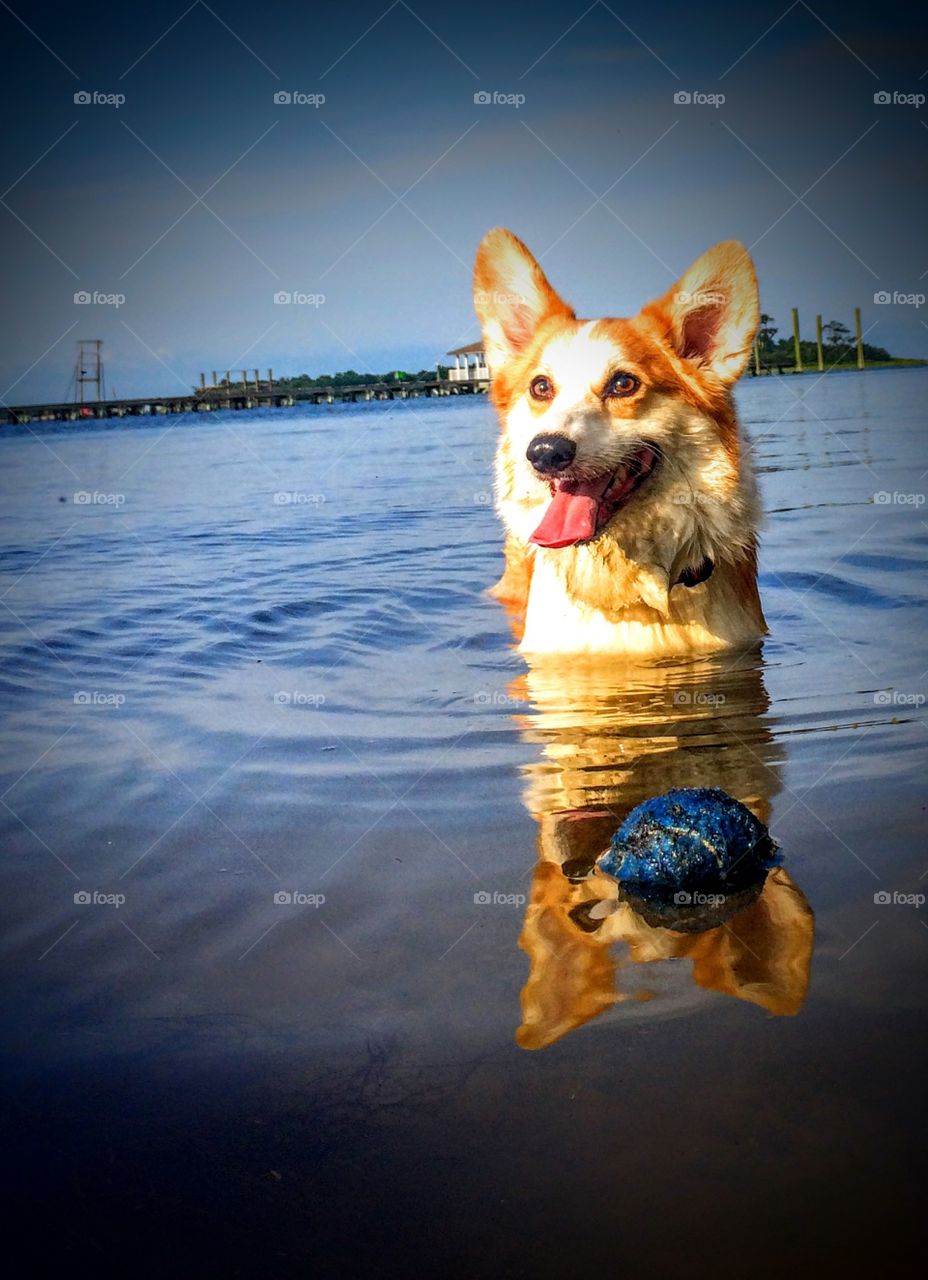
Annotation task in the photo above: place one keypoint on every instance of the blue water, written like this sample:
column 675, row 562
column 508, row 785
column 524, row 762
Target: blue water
column 214, row 695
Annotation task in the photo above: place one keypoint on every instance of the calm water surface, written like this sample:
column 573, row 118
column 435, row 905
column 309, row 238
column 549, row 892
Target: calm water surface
column 333, row 1001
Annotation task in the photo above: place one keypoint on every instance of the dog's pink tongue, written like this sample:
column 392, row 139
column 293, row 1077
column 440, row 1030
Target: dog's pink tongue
column 571, row 515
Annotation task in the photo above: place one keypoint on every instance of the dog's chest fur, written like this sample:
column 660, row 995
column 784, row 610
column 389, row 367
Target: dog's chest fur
column 721, row 612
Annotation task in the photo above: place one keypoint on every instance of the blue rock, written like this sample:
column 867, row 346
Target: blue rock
column 698, row 840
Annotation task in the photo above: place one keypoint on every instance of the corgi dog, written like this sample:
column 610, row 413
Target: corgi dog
column 629, row 504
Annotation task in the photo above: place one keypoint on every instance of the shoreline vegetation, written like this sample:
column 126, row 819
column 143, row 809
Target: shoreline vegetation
column 351, row 378
column 874, row 358
column 835, row 347
column 844, row 366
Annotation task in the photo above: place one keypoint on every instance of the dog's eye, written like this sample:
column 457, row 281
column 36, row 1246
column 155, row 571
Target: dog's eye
column 541, row 389
column 622, row 384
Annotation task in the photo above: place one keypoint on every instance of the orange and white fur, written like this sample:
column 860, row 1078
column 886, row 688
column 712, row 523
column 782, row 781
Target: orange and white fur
column 640, row 498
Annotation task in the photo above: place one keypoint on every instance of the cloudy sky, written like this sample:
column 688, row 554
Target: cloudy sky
column 199, row 198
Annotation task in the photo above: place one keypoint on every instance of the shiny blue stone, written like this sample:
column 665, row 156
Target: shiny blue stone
column 697, row 839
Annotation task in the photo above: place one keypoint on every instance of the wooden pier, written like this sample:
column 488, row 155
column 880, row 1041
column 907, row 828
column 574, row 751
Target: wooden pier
column 248, row 396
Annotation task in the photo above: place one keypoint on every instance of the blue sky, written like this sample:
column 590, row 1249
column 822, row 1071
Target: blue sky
column 311, row 199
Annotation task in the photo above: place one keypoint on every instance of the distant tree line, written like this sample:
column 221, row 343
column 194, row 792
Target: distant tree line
column 351, row 378
column 838, row 345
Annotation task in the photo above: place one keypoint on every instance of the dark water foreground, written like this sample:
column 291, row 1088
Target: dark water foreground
column 280, row 805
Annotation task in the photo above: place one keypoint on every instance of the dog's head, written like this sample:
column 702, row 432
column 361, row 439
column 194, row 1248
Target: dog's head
column 621, row 431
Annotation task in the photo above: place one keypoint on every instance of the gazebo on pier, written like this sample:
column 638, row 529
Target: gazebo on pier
column 470, row 364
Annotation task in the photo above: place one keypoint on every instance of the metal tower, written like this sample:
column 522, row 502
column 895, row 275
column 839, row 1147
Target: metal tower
column 89, row 369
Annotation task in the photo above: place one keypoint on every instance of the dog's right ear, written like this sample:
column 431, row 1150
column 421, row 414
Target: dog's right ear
column 511, row 296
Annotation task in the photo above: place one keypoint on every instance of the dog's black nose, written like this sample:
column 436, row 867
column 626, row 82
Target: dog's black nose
column 551, row 453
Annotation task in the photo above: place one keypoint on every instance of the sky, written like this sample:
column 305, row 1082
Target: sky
column 187, row 208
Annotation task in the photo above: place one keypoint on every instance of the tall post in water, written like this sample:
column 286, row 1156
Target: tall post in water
column 228, row 379
column 245, row 381
column 202, row 381
column 818, row 344
column 214, row 377
column 756, row 358
column 257, row 380
column 797, row 352
column 860, row 339
column 270, row 379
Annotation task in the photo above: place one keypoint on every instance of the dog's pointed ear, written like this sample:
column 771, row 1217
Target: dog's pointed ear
column 711, row 314
column 511, row 296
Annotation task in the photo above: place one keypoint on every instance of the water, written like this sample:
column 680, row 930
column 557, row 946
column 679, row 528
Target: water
column 216, row 696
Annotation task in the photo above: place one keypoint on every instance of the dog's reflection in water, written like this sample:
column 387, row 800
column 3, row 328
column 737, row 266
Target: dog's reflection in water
column 612, row 735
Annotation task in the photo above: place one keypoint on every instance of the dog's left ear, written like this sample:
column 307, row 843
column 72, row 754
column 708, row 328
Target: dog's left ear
column 512, row 296
column 711, row 314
